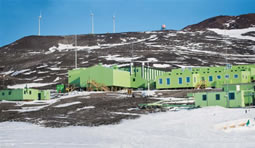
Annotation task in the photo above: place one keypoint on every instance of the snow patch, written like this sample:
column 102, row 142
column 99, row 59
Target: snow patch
column 27, row 109
column 161, row 65
column 57, row 79
column 67, row 104
column 19, row 72
column 7, row 72
column 118, row 58
column 235, row 33
column 84, row 108
column 29, row 85
column 152, row 60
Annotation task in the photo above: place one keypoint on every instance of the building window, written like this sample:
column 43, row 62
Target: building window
column 217, row 96
column 133, row 79
column 187, row 79
column 195, row 79
column 30, row 92
column 136, row 70
column 3, row 93
column 24, row 92
column 210, row 78
column 180, row 80
column 160, row 81
column 168, row 81
column 203, row 78
column 231, row 96
column 10, row 92
column 235, row 76
column 226, row 76
column 204, row 97
column 218, row 77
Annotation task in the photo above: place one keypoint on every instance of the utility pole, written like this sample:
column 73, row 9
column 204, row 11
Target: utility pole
column 113, row 22
column 39, row 23
column 92, row 22
column 148, row 76
column 227, row 68
column 75, row 52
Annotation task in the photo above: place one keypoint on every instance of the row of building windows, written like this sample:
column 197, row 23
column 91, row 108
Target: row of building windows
column 10, row 93
column 222, row 68
column 231, row 96
column 30, row 92
column 210, row 78
column 168, row 80
column 208, row 71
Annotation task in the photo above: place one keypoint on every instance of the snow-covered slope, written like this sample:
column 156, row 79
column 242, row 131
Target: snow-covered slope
column 197, row 128
column 237, row 33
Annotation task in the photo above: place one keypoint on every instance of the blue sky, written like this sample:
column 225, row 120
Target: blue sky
column 19, row 18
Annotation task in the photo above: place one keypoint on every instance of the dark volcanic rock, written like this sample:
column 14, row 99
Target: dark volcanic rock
column 225, row 22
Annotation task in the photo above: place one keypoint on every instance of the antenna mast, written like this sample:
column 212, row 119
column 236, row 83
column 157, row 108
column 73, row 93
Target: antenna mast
column 75, row 51
column 227, row 68
column 39, row 23
column 92, row 22
column 113, row 21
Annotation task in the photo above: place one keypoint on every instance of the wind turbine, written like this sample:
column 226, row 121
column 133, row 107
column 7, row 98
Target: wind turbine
column 39, row 20
column 92, row 22
column 113, row 22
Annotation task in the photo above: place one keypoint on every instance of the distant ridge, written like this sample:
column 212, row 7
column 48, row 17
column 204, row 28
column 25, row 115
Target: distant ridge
column 225, row 22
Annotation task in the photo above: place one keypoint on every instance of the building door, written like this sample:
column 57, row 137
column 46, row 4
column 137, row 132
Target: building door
column 39, row 96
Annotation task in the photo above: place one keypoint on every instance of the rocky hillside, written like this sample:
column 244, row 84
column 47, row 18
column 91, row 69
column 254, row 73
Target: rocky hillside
column 46, row 59
column 225, row 22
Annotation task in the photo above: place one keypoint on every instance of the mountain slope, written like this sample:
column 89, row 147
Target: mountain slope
column 225, row 22
column 46, row 59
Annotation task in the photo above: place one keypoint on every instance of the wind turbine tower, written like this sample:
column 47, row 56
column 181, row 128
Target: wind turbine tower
column 39, row 23
column 92, row 22
column 113, row 21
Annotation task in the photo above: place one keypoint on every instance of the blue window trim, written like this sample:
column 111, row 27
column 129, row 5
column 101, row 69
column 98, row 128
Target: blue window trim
column 168, row 81
column 210, row 78
column 180, row 80
column 188, row 79
column 236, row 76
column 160, row 81
column 219, row 77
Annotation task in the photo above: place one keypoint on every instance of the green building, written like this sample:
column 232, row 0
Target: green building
column 178, row 78
column 25, row 94
column 214, row 77
column 128, row 77
column 232, row 95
